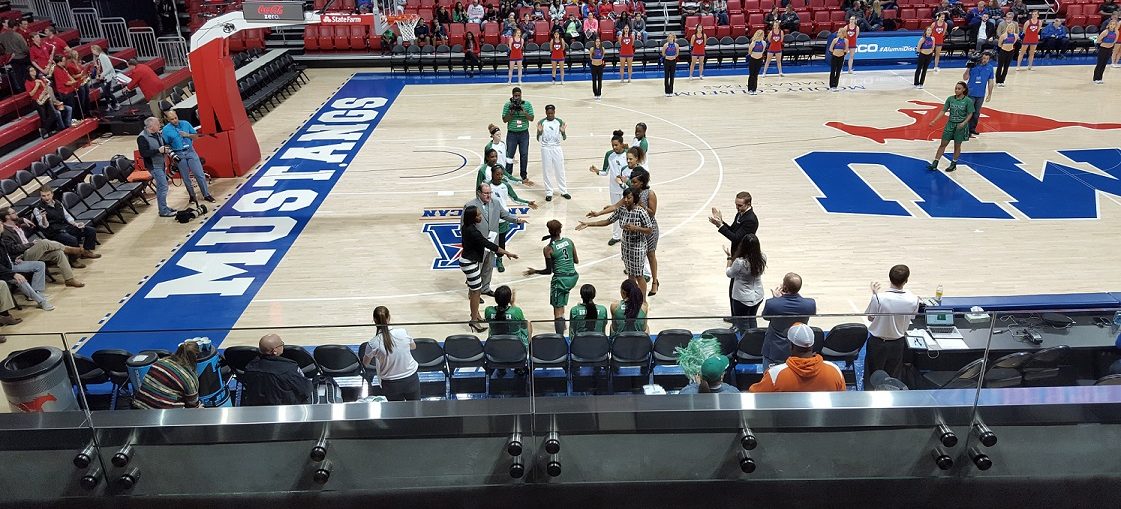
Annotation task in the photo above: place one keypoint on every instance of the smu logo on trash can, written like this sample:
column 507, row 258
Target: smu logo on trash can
column 36, row 405
column 446, row 237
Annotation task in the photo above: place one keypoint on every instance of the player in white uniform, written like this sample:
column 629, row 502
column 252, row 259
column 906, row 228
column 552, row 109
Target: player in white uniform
column 615, row 169
column 550, row 133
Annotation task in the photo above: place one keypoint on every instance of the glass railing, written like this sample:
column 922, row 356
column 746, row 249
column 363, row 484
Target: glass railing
column 521, row 402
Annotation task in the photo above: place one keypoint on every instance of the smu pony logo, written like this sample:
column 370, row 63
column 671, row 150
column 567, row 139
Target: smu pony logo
column 36, row 405
column 446, row 237
column 991, row 121
column 1061, row 192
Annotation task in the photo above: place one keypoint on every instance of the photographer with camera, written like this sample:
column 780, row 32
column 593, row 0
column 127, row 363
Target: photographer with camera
column 517, row 114
column 180, row 137
column 979, row 77
column 154, row 150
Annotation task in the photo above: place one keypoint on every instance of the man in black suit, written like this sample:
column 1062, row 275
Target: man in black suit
column 271, row 379
column 745, row 223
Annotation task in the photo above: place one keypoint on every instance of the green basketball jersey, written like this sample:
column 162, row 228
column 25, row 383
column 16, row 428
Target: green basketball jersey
column 564, row 256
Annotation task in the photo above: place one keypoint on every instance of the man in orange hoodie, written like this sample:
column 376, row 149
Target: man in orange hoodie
column 804, row 370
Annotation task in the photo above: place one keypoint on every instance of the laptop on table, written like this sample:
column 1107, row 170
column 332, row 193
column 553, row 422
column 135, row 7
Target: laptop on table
column 940, row 324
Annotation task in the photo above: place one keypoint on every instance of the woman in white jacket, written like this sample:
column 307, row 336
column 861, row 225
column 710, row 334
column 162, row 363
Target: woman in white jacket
column 746, row 267
column 615, row 169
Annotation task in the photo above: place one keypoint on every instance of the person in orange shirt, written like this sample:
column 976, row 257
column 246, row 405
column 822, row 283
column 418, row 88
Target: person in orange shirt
column 804, row 370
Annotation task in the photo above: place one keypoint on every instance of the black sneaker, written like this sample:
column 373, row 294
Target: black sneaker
column 933, row 166
column 612, row 242
column 953, row 166
column 548, row 198
column 209, row 198
column 566, row 196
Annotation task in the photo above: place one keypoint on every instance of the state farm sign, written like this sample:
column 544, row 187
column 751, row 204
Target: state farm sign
column 347, row 19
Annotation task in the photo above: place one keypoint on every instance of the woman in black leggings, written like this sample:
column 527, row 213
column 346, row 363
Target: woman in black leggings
column 925, row 49
column 1006, row 41
column 595, row 57
column 1107, row 39
column 838, row 48
column 471, row 55
column 756, row 52
column 670, row 51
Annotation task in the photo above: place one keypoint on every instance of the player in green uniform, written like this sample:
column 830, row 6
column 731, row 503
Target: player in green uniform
column 960, row 108
column 560, row 261
column 506, row 318
column 490, row 158
column 504, row 196
column 499, row 146
column 640, row 139
column 629, row 314
column 587, row 316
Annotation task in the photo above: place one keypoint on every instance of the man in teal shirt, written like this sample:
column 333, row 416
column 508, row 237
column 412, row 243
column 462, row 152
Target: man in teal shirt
column 180, row 136
column 517, row 114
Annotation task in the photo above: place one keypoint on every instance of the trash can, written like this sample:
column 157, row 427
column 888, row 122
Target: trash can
column 36, row 380
column 138, row 366
column 213, row 391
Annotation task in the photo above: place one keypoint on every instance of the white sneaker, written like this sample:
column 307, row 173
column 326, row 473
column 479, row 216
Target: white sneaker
column 1031, row 68
column 919, row 87
column 46, row 306
column 628, row 80
column 850, row 71
column 781, row 75
column 702, row 77
column 1018, row 68
column 1115, row 66
column 935, row 70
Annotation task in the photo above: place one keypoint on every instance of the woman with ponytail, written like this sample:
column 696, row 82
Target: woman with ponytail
column 587, row 316
column 391, row 351
column 506, row 318
column 618, row 171
column 560, row 261
column 629, row 314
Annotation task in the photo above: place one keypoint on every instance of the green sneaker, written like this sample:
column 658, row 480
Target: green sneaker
column 499, row 265
column 953, row 166
column 933, row 166
column 612, row 242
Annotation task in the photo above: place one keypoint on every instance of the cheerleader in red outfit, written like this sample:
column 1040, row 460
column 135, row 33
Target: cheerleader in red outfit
column 938, row 30
column 697, row 55
column 774, row 51
column 626, row 54
column 557, row 50
column 851, row 33
column 1030, row 42
column 517, row 46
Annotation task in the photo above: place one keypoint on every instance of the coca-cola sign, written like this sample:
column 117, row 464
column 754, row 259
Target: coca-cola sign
column 273, row 11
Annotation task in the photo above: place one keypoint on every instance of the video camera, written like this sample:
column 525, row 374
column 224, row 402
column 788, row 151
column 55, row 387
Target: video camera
column 515, row 104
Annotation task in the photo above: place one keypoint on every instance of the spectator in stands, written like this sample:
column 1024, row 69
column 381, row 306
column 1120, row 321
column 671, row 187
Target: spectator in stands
column 271, row 379
column 149, row 83
column 78, row 70
column 803, row 370
column 443, row 17
column 711, row 378
column 556, row 11
column 475, row 13
column 509, row 25
column 471, row 55
column 721, row 9
column 707, row 9
column 1020, row 11
column 439, row 33
column 12, row 270
column 973, row 18
column 66, row 87
column 605, row 11
column 785, row 308
column 422, row 32
column 886, row 333
column 390, row 352
column 54, row 115
column 985, row 32
column 529, row 28
column 591, row 28
column 572, row 30
column 15, row 241
column 24, row 29
column 459, row 13
column 586, row 8
column 772, row 17
column 1054, row 38
column 624, row 20
column 12, row 43
column 789, row 20
column 1107, row 9
column 690, row 8
column 180, row 136
column 745, row 268
column 388, row 38
column 171, row 382
column 399, row 6
column 587, row 316
column 42, row 55
column 57, row 224
column 106, row 74
column 875, row 20
column 638, row 25
column 491, row 14
column 154, row 149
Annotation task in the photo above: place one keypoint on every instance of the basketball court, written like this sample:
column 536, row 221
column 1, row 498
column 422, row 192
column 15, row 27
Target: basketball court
column 370, row 219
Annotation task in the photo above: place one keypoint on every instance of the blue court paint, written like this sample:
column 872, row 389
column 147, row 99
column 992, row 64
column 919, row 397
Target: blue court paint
column 1063, row 192
column 203, row 289
column 845, row 192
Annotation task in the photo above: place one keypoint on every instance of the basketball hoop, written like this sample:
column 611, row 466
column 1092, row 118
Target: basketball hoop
column 406, row 25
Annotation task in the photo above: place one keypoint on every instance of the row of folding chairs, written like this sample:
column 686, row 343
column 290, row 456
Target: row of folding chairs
column 265, row 88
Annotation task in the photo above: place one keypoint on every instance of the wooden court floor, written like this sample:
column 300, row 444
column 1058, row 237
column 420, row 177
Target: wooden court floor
column 367, row 246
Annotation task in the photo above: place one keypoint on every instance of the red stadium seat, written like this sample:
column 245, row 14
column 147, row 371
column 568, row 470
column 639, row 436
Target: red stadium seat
column 448, row 4
column 755, row 21
column 358, row 37
column 428, row 3
column 709, row 23
column 805, row 16
column 540, row 31
column 18, row 129
column 817, row 5
column 690, row 22
column 925, row 15
column 739, row 25
column 237, row 41
column 490, row 33
column 836, row 20
column 320, row 4
column 428, row 13
column 735, row 7
column 327, row 38
column 1076, row 15
column 618, row 9
column 607, row 30
column 311, row 37
column 571, row 10
column 456, row 34
column 341, row 37
column 346, row 5
column 473, row 28
column 751, row 6
column 723, row 31
column 821, row 21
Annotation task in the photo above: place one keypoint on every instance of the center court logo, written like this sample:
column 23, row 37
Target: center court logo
column 442, row 227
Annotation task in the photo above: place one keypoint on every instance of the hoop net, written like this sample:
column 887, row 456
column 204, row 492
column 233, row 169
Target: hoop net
column 406, row 25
